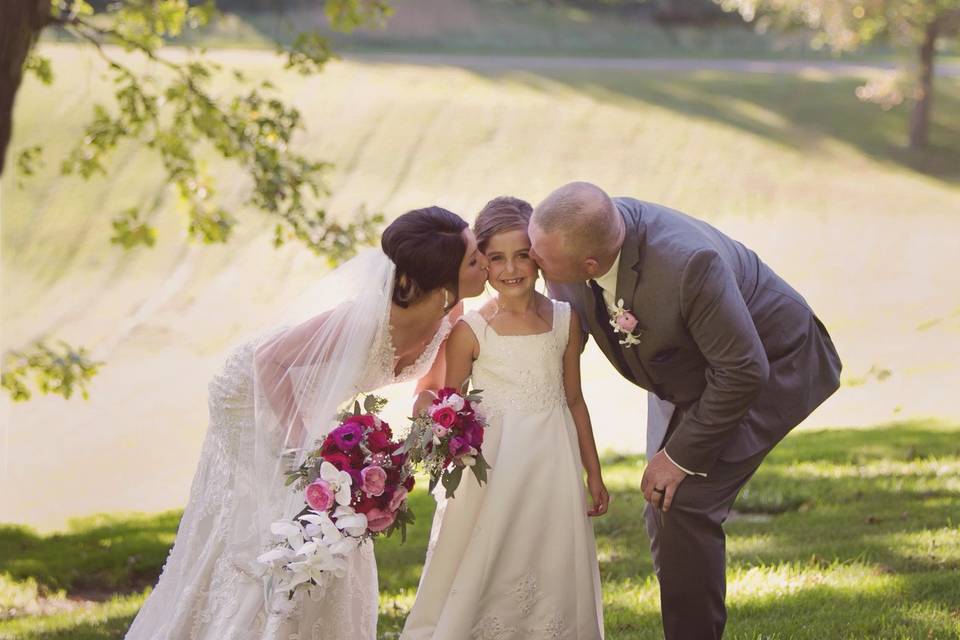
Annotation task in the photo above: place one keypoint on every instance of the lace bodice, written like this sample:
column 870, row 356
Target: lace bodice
column 381, row 363
column 521, row 373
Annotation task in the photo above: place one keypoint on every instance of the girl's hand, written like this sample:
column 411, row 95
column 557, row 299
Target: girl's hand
column 424, row 399
column 598, row 492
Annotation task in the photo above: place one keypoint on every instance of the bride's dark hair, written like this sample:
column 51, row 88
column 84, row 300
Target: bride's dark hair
column 427, row 246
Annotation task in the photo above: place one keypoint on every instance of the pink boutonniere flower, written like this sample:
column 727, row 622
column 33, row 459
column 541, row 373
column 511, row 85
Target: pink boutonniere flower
column 624, row 323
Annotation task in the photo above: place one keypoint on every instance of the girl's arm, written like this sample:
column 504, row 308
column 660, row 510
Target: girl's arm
column 462, row 350
column 434, row 379
column 581, row 417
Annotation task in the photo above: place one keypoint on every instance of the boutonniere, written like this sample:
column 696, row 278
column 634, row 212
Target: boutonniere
column 624, row 322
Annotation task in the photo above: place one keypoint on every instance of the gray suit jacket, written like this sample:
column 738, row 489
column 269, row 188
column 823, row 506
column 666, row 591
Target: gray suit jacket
column 724, row 338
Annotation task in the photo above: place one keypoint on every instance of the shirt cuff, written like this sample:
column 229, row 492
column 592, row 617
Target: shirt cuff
column 686, row 471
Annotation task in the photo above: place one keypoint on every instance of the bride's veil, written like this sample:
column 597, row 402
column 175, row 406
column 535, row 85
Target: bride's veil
column 304, row 371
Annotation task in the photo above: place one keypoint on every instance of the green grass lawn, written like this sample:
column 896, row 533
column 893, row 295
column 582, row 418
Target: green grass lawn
column 841, row 534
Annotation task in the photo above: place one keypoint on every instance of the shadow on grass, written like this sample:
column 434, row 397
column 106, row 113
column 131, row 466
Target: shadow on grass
column 860, row 493
column 113, row 627
column 914, row 606
column 823, row 521
column 797, row 112
column 95, row 558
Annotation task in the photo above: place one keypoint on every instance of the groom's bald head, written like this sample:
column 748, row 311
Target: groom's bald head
column 575, row 226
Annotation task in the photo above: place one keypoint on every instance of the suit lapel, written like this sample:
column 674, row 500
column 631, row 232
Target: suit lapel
column 628, row 275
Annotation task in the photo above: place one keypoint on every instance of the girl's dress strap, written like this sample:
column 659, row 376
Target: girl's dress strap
column 477, row 323
column 561, row 322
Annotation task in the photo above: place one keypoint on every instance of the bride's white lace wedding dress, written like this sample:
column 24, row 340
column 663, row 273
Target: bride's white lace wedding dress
column 211, row 590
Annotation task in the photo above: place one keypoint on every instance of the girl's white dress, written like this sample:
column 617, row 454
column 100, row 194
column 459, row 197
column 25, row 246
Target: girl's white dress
column 515, row 559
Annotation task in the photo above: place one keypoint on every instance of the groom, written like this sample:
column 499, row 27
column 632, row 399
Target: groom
column 732, row 357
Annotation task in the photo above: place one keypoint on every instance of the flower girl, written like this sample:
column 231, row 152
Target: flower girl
column 515, row 558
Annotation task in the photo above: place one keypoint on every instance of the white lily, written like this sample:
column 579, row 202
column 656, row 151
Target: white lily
column 339, row 481
column 315, row 561
column 276, row 558
column 355, row 524
column 316, row 521
column 289, row 529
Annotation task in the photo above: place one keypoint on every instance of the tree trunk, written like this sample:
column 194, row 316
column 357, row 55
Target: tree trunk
column 20, row 24
column 920, row 118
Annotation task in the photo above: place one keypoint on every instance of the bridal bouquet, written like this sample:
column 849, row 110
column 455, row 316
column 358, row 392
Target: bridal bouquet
column 447, row 438
column 354, row 486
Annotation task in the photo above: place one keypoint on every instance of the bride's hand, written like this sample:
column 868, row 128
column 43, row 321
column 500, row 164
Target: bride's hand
column 424, row 399
column 599, row 495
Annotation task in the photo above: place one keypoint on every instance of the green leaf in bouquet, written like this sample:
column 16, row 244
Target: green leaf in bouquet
column 426, row 437
column 433, row 483
column 357, row 411
column 480, row 468
column 293, row 477
column 370, row 404
column 451, row 480
column 408, row 443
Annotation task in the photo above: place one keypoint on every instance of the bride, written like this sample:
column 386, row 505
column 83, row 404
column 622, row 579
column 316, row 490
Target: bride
column 379, row 319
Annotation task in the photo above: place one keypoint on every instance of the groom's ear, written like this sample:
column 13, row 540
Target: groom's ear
column 592, row 267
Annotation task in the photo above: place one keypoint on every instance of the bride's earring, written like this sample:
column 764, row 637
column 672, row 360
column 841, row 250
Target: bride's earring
column 446, row 299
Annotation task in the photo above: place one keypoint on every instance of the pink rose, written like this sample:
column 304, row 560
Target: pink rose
column 319, row 495
column 627, row 322
column 378, row 519
column 398, row 497
column 440, row 431
column 374, row 480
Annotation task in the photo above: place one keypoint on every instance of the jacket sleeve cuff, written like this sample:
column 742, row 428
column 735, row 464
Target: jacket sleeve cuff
column 685, row 470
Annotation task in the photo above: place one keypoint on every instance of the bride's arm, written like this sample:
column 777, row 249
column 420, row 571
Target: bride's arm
column 581, row 417
column 273, row 361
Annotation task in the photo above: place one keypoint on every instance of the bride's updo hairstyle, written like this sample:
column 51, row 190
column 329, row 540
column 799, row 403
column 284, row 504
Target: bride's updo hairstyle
column 427, row 246
column 504, row 213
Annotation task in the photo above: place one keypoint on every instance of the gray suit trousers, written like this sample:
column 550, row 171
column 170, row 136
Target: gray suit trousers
column 689, row 549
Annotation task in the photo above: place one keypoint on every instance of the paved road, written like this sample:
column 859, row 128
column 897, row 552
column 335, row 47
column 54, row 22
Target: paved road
column 535, row 63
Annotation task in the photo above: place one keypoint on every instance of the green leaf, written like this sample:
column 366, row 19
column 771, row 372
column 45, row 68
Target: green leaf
column 129, row 230
column 480, row 468
column 451, row 480
column 58, row 370
column 39, row 66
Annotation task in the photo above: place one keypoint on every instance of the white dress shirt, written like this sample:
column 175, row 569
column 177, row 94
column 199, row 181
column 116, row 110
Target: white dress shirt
column 608, row 282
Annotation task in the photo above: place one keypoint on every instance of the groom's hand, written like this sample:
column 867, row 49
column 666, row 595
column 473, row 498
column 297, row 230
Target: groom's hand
column 660, row 481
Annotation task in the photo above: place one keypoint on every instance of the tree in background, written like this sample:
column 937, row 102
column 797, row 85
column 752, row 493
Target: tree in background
column 846, row 25
column 173, row 114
